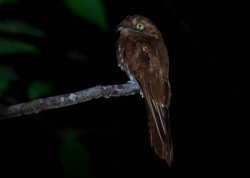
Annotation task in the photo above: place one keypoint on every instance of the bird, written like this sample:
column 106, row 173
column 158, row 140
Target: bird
column 142, row 54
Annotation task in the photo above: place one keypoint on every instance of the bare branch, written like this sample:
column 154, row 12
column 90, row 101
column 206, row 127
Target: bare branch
column 68, row 99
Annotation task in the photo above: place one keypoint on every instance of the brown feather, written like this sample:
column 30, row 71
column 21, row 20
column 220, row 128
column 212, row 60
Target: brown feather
column 163, row 149
column 142, row 54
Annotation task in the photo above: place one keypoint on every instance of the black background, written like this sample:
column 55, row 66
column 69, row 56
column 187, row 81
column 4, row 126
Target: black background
column 204, row 75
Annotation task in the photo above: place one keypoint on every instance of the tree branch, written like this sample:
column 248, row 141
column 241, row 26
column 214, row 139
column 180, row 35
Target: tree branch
column 68, row 99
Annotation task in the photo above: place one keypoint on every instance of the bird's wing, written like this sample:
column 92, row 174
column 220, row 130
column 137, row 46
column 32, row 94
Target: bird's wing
column 149, row 68
column 157, row 92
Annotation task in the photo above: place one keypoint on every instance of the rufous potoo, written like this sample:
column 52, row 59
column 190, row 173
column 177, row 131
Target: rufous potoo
column 142, row 54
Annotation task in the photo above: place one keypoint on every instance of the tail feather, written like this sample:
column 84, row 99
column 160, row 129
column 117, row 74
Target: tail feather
column 163, row 148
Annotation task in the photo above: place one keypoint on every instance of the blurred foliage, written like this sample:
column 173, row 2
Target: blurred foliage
column 18, row 27
column 7, row 1
column 8, row 46
column 7, row 76
column 90, row 10
column 74, row 156
column 38, row 89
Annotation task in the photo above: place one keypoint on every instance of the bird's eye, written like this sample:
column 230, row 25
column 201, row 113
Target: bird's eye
column 140, row 26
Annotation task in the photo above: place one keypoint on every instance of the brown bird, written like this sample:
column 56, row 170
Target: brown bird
column 142, row 54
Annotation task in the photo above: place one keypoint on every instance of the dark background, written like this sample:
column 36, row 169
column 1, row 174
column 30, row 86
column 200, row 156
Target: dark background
column 204, row 75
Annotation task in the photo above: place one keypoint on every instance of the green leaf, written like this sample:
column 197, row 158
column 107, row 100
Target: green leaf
column 38, row 89
column 8, row 46
column 18, row 27
column 74, row 156
column 7, row 1
column 7, row 76
column 90, row 10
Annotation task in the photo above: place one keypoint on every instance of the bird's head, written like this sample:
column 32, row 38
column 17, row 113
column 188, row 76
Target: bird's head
column 138, row 25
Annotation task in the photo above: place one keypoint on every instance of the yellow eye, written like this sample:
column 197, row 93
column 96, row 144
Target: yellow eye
column 140, row 26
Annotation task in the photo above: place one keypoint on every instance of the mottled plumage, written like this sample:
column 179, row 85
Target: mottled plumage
column 142, row 54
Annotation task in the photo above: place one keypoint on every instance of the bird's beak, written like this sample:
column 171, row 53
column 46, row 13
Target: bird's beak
column 121, row 29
